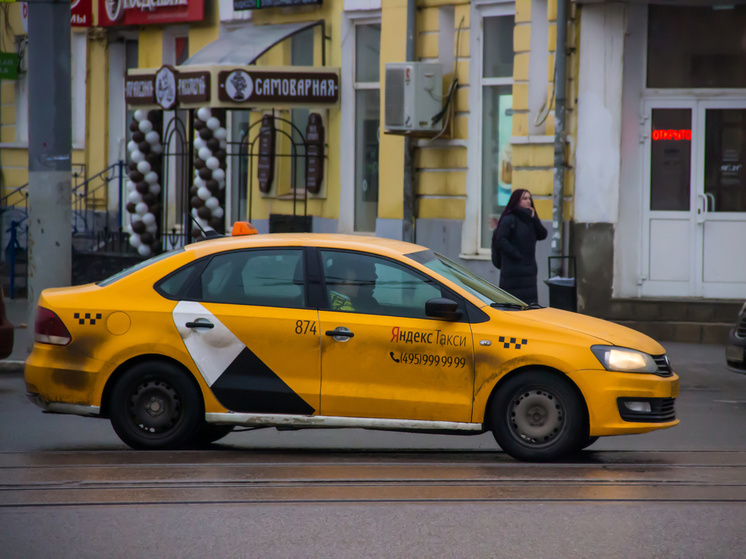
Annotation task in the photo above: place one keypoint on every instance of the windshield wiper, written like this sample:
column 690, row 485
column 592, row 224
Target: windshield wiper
column 509, row 306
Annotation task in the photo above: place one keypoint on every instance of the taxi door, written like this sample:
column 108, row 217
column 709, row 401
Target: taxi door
column 382, row 357
column 249, row 333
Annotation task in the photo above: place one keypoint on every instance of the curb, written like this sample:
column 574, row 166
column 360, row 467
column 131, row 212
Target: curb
column 11, row 367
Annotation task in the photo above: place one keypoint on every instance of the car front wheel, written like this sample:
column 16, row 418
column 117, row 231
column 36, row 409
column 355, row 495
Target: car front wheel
column 156, row 405
column 537, row 416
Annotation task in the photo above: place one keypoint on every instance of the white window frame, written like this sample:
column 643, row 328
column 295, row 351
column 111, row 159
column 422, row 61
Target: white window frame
column 350, row 20
column 470, row 245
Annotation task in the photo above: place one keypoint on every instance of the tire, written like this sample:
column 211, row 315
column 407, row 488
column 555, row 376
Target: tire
column 156, row 406
column 210, row 432
column 537, row 416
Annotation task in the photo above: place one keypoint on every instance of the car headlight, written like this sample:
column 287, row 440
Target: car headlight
column 624, row 360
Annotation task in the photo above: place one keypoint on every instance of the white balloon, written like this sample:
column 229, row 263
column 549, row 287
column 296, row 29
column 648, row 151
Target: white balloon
column 131, row 146
column 223, row 143
column 148, row 219
column 205, row 153
column 155, row 189
column 137, row 156
column 220, row 134
column 144, row 250
column 199, row 143
column 194, row 212
column 140, row 115
column 152, row 137
column 152, row 228
column 212, row 163
column 134, row 218
column 213, row 123
column 156, row 148
column 143, row 167
column 135, row 240
column 212, row 202
column 204, row 193
column 130, row 186
column 145, row 126
column 204, row 113
column 199, row 182
column 218, row 174
column 141, row 208
column 134, row 197
column 151, row 177
column 217, row 212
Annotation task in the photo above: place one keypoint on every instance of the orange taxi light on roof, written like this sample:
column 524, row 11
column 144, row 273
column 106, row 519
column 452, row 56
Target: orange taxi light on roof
column 243, row 228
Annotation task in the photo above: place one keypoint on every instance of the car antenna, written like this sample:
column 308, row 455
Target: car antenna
column 209, row 234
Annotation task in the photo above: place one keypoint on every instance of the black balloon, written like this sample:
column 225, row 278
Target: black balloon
column 199, row 124
column 155, row 209
column 213, row 186
column 213, row 144
column 132, row 166
column 153, row 158
column 205, row 173
column 149, row 198
column 131, row 208
column 144, row 147
column 155, row 116
column 134, row 126
column 204, row 212
column 147, row 238
column 220, row 154
column 142, row 187
column 138, row 137
column 197, row 202
column 216, row 223
column 196, row 232
column 138, row 227
column 136, row 176
column 205, row 133
column 198, row 163
column 193, row 190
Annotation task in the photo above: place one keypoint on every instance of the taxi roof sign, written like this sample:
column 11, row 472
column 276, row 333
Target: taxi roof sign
column 241, row 228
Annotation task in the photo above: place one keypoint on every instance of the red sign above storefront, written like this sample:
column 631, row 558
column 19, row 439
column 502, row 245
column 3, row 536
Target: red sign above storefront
column 672, row 134
column 81, row 13
column 144, row 12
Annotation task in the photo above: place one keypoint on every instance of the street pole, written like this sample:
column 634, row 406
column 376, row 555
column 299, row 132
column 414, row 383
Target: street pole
column 50, row 146
column 559, row 138
column 408, row 217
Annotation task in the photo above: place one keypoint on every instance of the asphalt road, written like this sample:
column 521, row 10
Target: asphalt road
column 68, row 487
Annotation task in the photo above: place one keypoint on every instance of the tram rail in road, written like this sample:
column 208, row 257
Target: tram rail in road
column 50, row 479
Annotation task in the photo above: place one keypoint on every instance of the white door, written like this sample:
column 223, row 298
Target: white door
column 694, row 207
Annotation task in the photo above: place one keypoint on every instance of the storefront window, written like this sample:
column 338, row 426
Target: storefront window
column 367, row 124
column 725, row 153
column 497, row 121
column 670, row 159
column 696, row 47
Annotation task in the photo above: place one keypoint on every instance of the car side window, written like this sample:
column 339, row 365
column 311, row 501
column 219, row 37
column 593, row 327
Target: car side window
column 361, row 283
column 269, row 278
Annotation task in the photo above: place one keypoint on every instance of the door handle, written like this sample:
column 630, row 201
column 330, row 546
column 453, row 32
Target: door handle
column 701, row 207
column 340, row 333
column 202, row 324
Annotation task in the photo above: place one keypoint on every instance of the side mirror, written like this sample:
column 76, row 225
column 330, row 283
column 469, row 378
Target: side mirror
column 445, row 309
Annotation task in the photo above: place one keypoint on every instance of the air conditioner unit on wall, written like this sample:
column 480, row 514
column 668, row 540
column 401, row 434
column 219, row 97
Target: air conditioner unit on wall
column 414, row 97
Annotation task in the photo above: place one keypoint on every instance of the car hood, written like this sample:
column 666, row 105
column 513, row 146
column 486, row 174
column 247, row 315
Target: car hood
column 604, row 330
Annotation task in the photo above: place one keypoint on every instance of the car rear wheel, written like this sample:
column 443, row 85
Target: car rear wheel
column 155, row 405
column 536, row 416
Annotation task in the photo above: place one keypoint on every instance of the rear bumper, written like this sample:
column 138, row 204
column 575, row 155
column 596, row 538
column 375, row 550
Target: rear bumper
column 606, row 391
column 735, row 353
column 62, row 407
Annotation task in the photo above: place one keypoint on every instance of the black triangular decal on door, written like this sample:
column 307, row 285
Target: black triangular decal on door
column 248, row 385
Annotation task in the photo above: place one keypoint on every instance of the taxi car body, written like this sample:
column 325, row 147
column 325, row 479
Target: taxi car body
column 311, row 330
column 735, row 350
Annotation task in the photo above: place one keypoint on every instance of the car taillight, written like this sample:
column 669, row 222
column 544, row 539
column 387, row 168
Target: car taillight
column 49, row 328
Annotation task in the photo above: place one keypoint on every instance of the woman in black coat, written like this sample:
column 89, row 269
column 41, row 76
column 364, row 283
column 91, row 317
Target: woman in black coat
column 514, row 246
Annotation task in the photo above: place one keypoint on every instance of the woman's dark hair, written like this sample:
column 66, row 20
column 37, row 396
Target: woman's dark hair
column 515, row 199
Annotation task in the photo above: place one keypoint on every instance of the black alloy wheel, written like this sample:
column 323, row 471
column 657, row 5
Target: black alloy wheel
column 537, row 416
column 156, row 406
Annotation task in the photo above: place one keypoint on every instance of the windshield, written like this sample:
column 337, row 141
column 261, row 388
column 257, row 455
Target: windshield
column 484, row 290
column 139, row 266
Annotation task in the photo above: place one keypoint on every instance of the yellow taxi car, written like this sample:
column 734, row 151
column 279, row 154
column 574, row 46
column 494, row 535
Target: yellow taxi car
column 327, row 331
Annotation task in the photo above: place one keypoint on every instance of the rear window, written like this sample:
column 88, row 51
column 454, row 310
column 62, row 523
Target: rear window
column 132, row 269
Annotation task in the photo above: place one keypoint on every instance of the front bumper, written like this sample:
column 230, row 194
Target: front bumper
column 605, row 391
column 735, row 353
